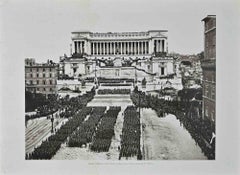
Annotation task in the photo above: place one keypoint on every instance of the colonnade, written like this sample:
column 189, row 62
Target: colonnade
column 79, row 46
column 159, row 46
column 119, row 48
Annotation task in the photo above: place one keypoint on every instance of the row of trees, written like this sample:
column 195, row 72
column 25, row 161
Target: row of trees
column 200, row 129
column 49, row 147
column 114, row 91
column 130, row 141
column 76, row 108
column 41, row 103
column 105, row 131
column 85, row 132
column 149, row 101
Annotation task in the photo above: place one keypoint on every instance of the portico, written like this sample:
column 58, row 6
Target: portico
column 122, row 43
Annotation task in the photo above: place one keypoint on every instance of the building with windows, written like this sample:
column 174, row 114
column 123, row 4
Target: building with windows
column 119, row 54
column 40, row 78
column 209, row 68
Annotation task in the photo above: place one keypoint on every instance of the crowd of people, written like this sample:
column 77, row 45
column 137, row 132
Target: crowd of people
column 114, row 91
column 49, row 147
column 116, row 84
column 86, row 130
column 110, row 80
column 130, row 139
column 105, row 130
column 200, row 129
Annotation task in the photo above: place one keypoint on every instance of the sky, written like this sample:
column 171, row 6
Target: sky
column 41, row 29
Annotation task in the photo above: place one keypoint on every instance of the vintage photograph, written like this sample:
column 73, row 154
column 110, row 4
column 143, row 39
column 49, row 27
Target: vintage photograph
column 123, row 95
column 101, row 87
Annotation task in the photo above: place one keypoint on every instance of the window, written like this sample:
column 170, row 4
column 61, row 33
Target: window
column 31, row 82
column 50, row 89
column 50, row 69
column 213, row 92
column 43, row 75
column 206, row 90
column 43, row 69
column 37, row 82
column 44, row 82
column 149, row 67
column 212, row 116
column 50, row 75
column 37, row 69
column 37, row 75
column 50, row 81
column 206, row 111
column 31, row 75
column 44, row 89
column 162, row 70
column 30, row 69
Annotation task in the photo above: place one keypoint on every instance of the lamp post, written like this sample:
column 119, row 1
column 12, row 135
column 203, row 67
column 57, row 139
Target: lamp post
column 140, row 155
column 52, row 120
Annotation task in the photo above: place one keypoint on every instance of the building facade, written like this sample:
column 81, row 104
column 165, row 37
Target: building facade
column 137, row 44
column 209, row 68
column 94, row 53
column 40, row 78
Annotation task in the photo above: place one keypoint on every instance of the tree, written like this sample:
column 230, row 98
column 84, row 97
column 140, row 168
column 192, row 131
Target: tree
column 144, row 82
column 201, row 55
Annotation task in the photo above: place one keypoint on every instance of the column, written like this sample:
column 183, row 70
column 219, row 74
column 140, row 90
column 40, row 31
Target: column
column 110, row 48
column 80, row 47
column 160, row 46
column 135, row 47
column 114, row 47
column 76, row 47
column 97, row 48
column 91, row 49
column 157, row 46
column 145, row 47
column 138, row 49
column 106, row 48
column 121, row 48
